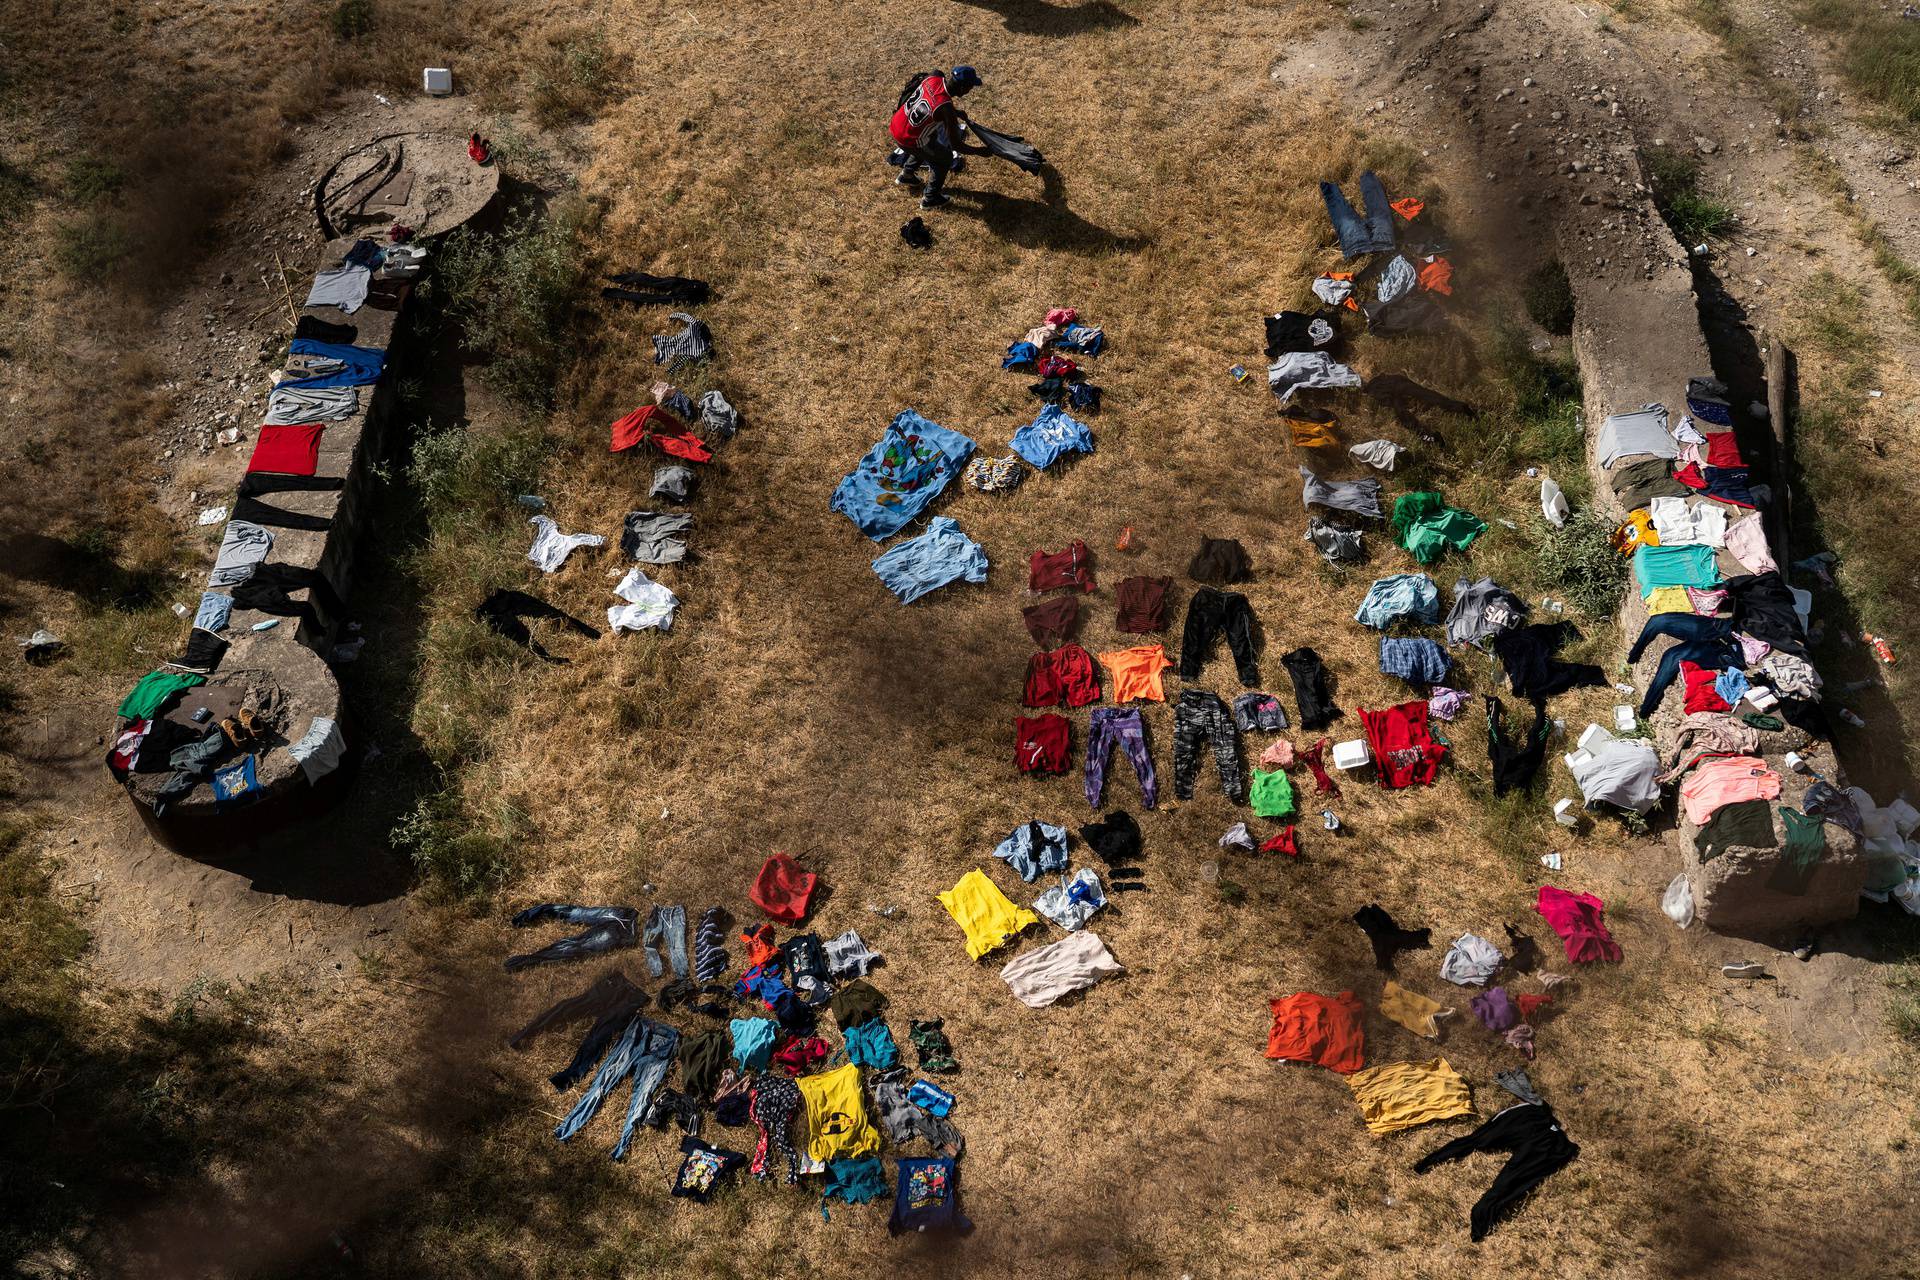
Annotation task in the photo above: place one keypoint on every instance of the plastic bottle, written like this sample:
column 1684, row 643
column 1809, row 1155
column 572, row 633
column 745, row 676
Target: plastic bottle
column 1847, row 714
column 1125, row 540
column 1881, row 649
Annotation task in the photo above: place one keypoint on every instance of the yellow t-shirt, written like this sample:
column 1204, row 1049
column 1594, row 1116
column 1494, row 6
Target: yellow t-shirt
column 1410, row 1009
column 1669, row 600
column 837, row 1124
column 988, row 915
column 1401, row 1095
column 1135, row 673
column 1637, row 532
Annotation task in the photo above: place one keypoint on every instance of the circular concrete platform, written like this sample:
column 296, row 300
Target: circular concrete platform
column 424, row 180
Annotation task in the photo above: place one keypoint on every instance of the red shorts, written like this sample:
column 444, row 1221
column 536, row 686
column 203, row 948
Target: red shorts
column 1065, row 674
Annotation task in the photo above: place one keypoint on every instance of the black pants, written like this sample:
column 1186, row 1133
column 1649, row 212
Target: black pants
column 1537, row 1148
column 1208, row 614
column 504, row 610
column 1515, row 763
column 247, row 507
column 1309, row 677
column 935, row 157
column 267, row 591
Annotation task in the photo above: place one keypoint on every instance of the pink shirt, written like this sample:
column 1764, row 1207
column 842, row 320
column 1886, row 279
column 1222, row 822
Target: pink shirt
column 1725, row 780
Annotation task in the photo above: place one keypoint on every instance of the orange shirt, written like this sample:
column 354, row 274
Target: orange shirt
column 1135, row 673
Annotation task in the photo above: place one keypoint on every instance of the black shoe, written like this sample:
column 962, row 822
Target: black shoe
column 934, row 199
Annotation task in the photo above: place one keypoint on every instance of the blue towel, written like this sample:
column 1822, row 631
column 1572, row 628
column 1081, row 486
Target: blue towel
column 900, row 475
column 1050, row 434
column 359, row 365
column 941, row 555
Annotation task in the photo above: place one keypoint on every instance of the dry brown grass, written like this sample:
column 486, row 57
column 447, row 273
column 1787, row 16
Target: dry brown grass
column 797, row 706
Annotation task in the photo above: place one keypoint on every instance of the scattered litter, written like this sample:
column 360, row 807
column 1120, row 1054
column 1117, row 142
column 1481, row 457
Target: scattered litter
column 348, row 650
column 267, row 625
column 1677, row 901
column 1553, row 502
column 1563, row 813
column 1876, row 394
column 532, row 502
column 41, row 647
column 179, row 610
column 213, row 515
column 1551, row 861
column 230, row 436
column 1328, row 820
column 885, row 913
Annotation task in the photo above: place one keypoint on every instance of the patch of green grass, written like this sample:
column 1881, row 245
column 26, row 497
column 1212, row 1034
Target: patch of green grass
column 570, row 80
column 462, row 854
column 90, row 248
column 1903, row 1004
column 16, row 193
column 1580, row 562
column 511, row 291
column 92, row 180
column 1879, row 51
column 1548, row 297
column 1693, row 215
column 351, row 19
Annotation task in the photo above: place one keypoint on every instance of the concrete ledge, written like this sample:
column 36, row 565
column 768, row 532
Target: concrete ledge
column 282, row 673
column 1638, row 344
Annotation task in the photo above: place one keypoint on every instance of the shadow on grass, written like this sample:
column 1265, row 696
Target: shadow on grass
column 1046, row 223
column 1040, row 18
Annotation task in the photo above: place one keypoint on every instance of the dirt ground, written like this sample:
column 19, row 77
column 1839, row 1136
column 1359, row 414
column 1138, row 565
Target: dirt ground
column 1726, row 1130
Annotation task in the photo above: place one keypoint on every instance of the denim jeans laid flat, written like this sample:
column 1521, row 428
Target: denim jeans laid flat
column 1681, row 626
column 607, row 929
column 1374, row 233
column 644, row 1052
column 665, row 938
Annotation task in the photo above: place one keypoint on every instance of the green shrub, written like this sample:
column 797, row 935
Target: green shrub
column 352, row 19
column 1581, row 564
column 90, row 248
column 570, row 80
column 451, row 851
column 511, row 292
column 1548, row 296
column 91, row 180
column 1675, row 179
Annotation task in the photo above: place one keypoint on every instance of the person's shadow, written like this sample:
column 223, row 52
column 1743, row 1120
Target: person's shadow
column 1046, row 223
column 1039, row 18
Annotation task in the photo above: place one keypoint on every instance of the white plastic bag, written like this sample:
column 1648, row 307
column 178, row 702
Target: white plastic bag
column 1677, row 901
column 1553, row 503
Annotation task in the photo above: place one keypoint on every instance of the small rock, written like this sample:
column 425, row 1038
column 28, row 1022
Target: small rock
column 1707, row 145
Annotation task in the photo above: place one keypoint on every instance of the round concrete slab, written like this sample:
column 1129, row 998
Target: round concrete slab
column 424, row 180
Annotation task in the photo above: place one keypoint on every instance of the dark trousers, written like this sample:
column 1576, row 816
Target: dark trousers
column 1210, row 612
column 935, row 157
column 1199, row 717
column 1681, row 626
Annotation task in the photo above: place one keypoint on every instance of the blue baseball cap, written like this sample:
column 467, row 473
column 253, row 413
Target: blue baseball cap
column 962, row 79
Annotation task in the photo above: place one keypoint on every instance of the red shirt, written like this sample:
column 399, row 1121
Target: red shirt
column 915, row 118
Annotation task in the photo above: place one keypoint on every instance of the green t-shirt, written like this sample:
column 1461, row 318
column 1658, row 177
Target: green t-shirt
column 1272, row 794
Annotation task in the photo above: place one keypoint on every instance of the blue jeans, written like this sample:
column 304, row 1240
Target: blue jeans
column 1681, row 626
column 607, row 928
column 1717, row 654
column 645, row 1052
column 1374, row 233
column 665, row 938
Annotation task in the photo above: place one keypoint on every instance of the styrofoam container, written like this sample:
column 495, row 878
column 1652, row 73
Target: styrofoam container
column 437, row 81
column 1351, row 754
column 1623, row 719
column 1594, row 733
column 1577, row 759
column 1564, row 815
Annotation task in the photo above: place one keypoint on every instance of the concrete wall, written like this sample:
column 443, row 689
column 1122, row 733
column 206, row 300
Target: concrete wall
column 1637, row 343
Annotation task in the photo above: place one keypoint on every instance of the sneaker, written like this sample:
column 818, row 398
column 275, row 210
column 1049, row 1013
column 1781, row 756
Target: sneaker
column 906, row 178
column 959, row 163
column 1743, row 969
column 934, row 199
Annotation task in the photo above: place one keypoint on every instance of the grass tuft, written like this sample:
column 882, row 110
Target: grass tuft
column 1693, row 215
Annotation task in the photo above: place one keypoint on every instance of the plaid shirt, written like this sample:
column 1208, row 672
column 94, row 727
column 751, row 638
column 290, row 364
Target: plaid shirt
column 1415, row 661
